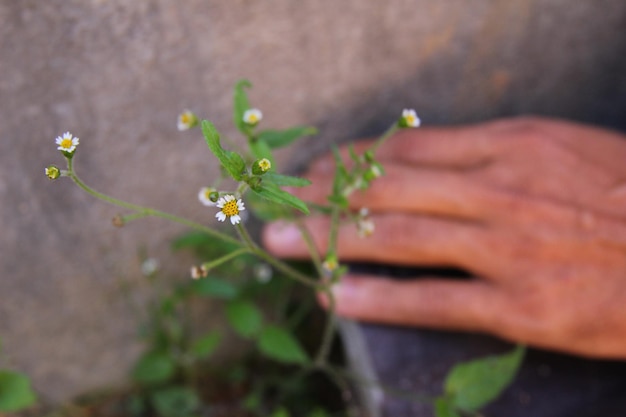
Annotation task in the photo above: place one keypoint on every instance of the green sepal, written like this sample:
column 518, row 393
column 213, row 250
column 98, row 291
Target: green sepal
column 286, row 180
column 278, row 344
column 280, row 138
column 273, row 193
column 232, row 162
column 240, row 105
column 473, row 384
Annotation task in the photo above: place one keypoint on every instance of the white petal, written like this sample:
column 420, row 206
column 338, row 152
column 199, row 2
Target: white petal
column 220, row 216
column 234, row 219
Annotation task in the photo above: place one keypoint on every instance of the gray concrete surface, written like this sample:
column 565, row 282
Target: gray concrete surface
column 116, row 74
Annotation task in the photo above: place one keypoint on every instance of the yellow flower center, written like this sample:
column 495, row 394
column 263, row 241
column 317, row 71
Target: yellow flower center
column 66, row 143
column 410, row 119
column 185, row 118
column 265, row 164
column 230, row 208
column 252, row 118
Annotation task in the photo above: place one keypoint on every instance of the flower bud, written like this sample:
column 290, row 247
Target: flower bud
column 374, row 171
column 53, row 172
column 252, row 117
column 118, row 221
column 186, row 120
column 261, row 166
column 409, row 119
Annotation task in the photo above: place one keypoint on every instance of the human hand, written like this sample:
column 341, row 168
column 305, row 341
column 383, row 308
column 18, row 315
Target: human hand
column 534, row 209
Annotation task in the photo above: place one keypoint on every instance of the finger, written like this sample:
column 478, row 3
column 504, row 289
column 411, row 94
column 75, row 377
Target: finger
column 398, row 239
column 435, row 303
column 413, row 190
column 451, row 147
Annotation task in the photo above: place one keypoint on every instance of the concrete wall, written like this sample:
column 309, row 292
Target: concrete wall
column 116, row 73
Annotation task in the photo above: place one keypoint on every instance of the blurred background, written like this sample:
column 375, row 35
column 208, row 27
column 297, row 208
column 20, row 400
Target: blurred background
column 117, row 73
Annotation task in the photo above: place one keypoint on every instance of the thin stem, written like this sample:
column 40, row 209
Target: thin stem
column 225, row 258
column 329, row 329
column 281, row 266
column 386, row 135
column 147, row 211
column 308, row 240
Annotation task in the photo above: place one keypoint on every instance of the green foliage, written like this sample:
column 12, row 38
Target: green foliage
column 232, row 162
column 281, row 138
column 175, row 401
column 471, row 385
column 15, row 392
column 214, row 287
column 279, row 344
column 240, row 105
column 154, row 368
column 286, row 180
column 206, row 345
column 272, row 193
column 245, row 318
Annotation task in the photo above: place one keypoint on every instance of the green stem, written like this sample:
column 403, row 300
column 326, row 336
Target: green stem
column 310, row 244
column 225, row 258
column 281, row 266
column 146, row 211
column 329, row 330
column 386, row 135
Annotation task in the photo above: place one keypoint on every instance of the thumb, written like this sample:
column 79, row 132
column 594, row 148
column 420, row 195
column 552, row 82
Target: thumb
column 436, row 303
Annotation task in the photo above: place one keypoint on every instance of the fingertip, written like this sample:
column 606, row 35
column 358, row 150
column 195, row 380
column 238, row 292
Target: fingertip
column 281, row 238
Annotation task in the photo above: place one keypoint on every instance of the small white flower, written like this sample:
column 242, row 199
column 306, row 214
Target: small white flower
column 204, row 195
column 410, row 118
column 263, row 273
column 230, row 207
column 150, row 266
column 187, row 120
column 252, row 116
column 198, row 272
column 365, row 227
column 67, row 142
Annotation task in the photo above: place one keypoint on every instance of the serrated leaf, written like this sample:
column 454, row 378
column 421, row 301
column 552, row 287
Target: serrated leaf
column 280, row 345
column 241, row 104
column 475, row 383
column 206, row 345
column 15, row 392
column 214, row 287
column 245, row 318
column 154, row 368
column 175, row 401
column 280, row 138
column 273, row 193
column 232, row 162
column 285, row 180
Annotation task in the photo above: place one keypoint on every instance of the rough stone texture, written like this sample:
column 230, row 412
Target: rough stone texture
column 117, row 73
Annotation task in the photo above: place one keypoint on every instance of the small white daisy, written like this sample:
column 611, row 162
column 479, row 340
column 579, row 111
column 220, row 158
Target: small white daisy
column 204, row 195
column 67, row 142
column 187, row 120
column 230, row 207
column 365, row 227
column 410, row 118
column 252, row 116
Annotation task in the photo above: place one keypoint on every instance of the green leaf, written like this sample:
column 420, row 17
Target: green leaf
column 319, row 412
column 280, row 412
column 175, row 401
column 444, row 407
column 273, row 193
column 15, row 392
column 280, row 345
column 154, row 368
column 214, row 287
column 260, row 150
column 280, row 138
column 231, row 161
column 245, row 317
column 475, row 383
column 265, row 209
column 206, row 345
column 285, row 180
column 241, row 104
